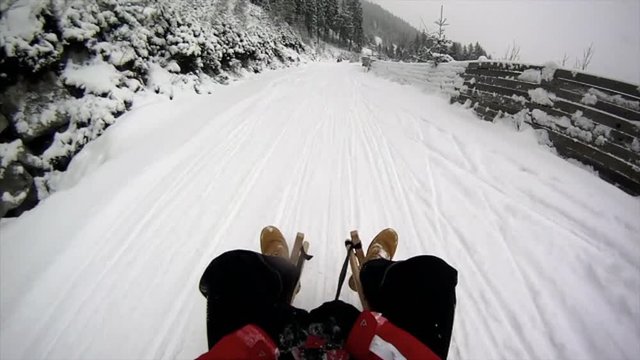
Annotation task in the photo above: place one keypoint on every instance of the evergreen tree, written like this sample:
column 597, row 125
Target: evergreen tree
column 456, row 51
column 310, row 14
column 286, row 9
column 331, row 11
column 344, row 23
column 354, row 23
column 417, row 43
column 357, row 35
column 441, row 42
column 321, row 18
column 470, row 52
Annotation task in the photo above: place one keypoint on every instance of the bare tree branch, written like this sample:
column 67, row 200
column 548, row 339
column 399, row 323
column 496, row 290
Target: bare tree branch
column 587, row 55
column 512, row 53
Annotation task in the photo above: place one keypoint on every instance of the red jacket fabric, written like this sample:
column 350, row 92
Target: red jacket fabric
column 372, row 337
column 250, row 342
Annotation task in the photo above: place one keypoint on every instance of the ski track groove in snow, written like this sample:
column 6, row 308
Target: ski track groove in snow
column 514, row 264
column 547, row 253
column 393, row 172
column 517, row 203
column 237, row 201
column 96, row 255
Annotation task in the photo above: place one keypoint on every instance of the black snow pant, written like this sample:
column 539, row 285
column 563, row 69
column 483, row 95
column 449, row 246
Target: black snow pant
column 243, row 287
column 417, row 295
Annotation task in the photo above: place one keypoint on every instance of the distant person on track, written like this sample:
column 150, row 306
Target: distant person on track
column 249, row 312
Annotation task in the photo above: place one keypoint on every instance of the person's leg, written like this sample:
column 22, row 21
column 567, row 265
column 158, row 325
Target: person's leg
column 288, row 275
column 244, row 287
column 371, row 276
column 417, row 295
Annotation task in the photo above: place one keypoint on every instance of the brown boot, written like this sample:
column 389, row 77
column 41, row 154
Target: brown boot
column 272, row 242
column 383, row 246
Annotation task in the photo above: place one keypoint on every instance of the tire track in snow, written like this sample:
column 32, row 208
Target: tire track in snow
column 167, row 199
column 463, row 154
column 75, row 282
column 250, row 181
column 392, row 171
column 293, row 193
column 524, row 280
column 510, row 198
column 489, row 297
column 237, row 203
column 140, row 226
column 125, row 252
column 369, row 147
column 460, row 238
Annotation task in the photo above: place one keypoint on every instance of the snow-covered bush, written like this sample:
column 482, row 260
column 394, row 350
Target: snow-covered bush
column 70, row 68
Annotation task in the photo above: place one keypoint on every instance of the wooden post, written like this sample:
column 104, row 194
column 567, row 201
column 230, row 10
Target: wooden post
column 356, row 259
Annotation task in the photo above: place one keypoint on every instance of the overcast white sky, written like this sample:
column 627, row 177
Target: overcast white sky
column 545, row 30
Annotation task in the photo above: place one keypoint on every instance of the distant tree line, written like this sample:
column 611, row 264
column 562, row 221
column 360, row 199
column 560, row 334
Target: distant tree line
column 467, row 52
column 393, row 38
column 417, row 49
column 336, row 21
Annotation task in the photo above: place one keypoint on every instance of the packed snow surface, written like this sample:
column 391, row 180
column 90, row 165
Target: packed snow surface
column 108, row 267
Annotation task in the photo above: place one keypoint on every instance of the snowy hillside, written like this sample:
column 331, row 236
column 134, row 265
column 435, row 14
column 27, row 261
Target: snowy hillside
column 108, row 266
column 70, row 68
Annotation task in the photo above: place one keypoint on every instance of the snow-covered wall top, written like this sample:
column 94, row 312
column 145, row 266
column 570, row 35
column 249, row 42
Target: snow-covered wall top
column 589, row 118
column 68, row 69
column 446, row 77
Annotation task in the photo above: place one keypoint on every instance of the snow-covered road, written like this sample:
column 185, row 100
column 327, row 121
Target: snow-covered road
column 548, row 254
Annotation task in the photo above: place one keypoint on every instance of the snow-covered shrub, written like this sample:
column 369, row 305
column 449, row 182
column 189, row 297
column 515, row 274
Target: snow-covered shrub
column 70, row 68
column 29, row 38
column 16, row 182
